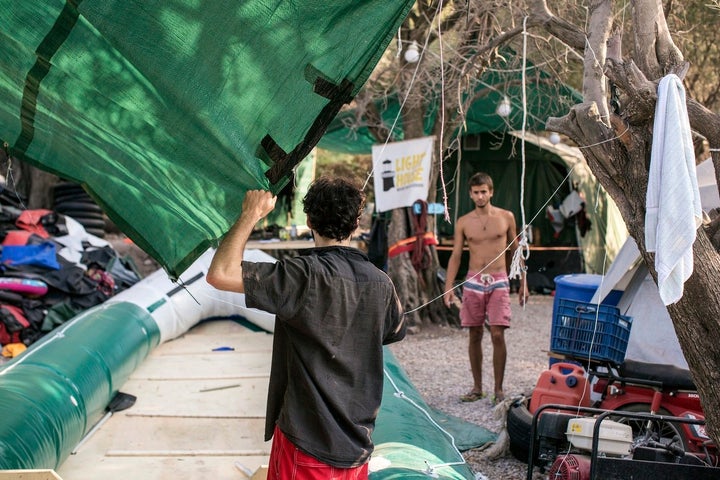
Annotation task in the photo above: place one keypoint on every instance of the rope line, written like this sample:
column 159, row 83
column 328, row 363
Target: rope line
column 442, row 117
column 11, row 181
column 523, row 251
column 401, row 395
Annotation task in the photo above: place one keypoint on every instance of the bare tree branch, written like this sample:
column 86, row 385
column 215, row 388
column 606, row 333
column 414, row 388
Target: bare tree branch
column 561, row 29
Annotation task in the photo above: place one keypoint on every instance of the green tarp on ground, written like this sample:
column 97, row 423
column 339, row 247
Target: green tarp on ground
column 413, row 440
column 169, row 111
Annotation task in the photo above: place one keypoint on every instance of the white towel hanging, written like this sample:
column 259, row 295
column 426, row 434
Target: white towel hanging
column 673, row 204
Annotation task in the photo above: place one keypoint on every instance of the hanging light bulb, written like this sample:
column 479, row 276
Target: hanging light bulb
column 554, row 138
column 503, row 109
column 412, row 54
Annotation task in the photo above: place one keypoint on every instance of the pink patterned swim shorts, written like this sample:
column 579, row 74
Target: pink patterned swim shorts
column 485, row 295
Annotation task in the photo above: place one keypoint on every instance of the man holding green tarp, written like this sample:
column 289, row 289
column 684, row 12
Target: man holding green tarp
column 334, row 312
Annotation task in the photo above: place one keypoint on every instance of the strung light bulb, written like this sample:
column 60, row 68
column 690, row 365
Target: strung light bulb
column 412, row 54
column 503, row 109
column 554, row 138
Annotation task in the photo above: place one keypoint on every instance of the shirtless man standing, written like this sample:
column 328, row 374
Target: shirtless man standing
column 490, row 233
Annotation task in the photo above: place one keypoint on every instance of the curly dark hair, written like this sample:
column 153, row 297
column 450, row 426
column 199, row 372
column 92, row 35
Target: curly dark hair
column 333, row 206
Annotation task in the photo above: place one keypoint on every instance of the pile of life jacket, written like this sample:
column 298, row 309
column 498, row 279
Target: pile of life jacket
column 51, row 269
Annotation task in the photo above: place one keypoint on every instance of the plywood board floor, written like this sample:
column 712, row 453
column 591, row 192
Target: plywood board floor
column 199, row 413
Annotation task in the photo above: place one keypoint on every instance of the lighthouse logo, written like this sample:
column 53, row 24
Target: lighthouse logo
column 388, row 175
column 402, row 172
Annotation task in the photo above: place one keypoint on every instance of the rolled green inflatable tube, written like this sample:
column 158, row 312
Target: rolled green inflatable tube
column 54, row 393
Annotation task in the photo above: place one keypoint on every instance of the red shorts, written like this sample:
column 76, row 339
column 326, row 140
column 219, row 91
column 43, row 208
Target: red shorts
column 485, row 296
column 287, row 462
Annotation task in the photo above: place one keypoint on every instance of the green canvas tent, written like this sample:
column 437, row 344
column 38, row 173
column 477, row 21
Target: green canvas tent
column 167, row 112
column 551, row 172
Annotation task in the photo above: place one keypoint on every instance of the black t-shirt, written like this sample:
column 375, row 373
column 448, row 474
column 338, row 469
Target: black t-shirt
column 334, row 311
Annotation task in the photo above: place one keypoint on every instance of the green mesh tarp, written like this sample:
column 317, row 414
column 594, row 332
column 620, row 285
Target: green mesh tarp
column 169, row 111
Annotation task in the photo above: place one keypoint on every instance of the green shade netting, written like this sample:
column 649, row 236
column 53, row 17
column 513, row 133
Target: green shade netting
column 169, row 111
column 545, row 97
column 413, row 440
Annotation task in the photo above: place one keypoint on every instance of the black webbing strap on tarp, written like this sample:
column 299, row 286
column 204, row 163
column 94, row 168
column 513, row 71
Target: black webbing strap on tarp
column 46, row 50
column 284, row 162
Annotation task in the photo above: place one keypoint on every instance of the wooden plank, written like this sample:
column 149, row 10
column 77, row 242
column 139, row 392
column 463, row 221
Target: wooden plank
column 222, row 326
column 191, row 344
column 198, row 414
column 164, row 468
column 277, row 244
column 29, row 475
column 211, row 365
column 151, row 436
column 231, row 397
column 125, row 435
column 260, row 474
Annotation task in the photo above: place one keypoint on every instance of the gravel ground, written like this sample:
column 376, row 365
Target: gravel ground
column 436, row 361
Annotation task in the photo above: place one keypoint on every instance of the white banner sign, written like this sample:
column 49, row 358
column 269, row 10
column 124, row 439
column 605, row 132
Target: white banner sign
column 402, row 172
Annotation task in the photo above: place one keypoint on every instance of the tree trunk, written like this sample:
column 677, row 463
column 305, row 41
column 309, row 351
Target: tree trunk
column 695, row 318
column 620, row 156
column 401, row 270
column 420, row 291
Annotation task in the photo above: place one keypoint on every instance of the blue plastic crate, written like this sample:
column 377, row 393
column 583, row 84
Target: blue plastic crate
column 589, row 331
